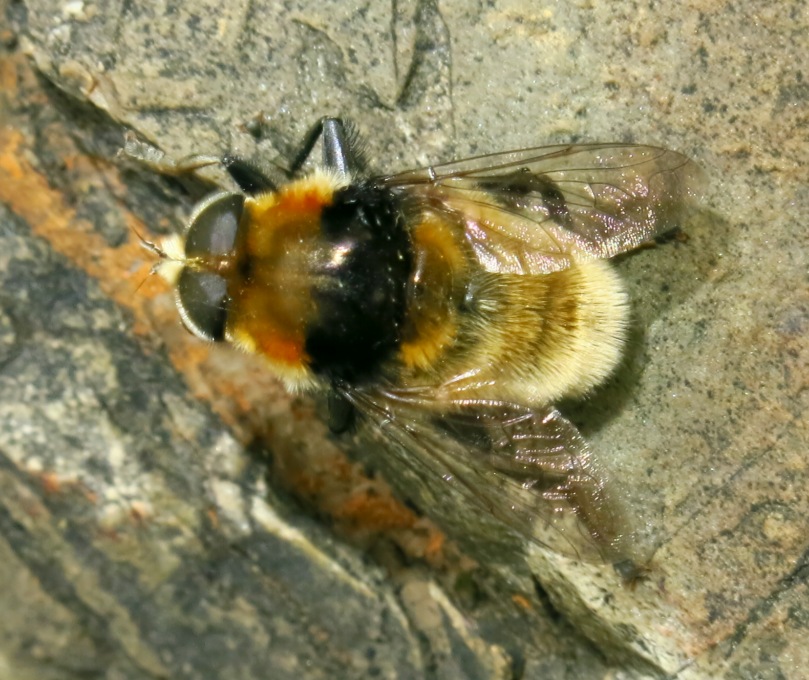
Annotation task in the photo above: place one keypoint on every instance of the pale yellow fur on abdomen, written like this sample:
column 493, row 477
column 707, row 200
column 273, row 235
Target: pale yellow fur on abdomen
column 542, row 338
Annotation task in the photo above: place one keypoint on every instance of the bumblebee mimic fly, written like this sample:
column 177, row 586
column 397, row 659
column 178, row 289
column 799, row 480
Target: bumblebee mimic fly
column 451, row 307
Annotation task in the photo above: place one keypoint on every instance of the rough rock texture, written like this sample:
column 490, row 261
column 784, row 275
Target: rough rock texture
column 166, row 508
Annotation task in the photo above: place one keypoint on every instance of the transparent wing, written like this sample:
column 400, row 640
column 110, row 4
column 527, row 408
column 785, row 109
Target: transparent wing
column 539, row 210
column 529, row 468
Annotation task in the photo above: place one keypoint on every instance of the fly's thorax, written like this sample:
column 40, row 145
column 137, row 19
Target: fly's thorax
column 360, row 285
column 320, row 285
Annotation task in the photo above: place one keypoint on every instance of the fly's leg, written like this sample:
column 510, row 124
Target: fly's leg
column 340, row 147
column 249, row 177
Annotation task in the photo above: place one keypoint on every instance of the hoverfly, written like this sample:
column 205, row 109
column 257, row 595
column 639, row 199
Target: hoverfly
column 450, row 306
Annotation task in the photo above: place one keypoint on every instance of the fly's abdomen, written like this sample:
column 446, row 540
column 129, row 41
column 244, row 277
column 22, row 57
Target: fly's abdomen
column 537, row 339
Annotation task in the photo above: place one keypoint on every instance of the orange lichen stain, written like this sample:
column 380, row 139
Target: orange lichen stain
column 29, row 195
column 191, row 356
column 236, row 386
column 122, row 273
column 341, row 470
column 324, row 480
column 376, row 513
column 51, row 483
column 435, row 545
column 213, row 517
column 139, row 512
column 306, row 485
column 522, row 602
column 12, row 169
column 150, row 285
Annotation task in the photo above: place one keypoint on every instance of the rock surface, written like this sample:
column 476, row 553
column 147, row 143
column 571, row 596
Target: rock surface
column 166, row 508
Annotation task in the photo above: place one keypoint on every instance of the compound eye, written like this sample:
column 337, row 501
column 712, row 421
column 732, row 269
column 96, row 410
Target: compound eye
column 213, row 225
column 202, row 296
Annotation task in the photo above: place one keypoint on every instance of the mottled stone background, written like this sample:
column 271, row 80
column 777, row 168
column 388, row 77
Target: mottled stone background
column 166, row 511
